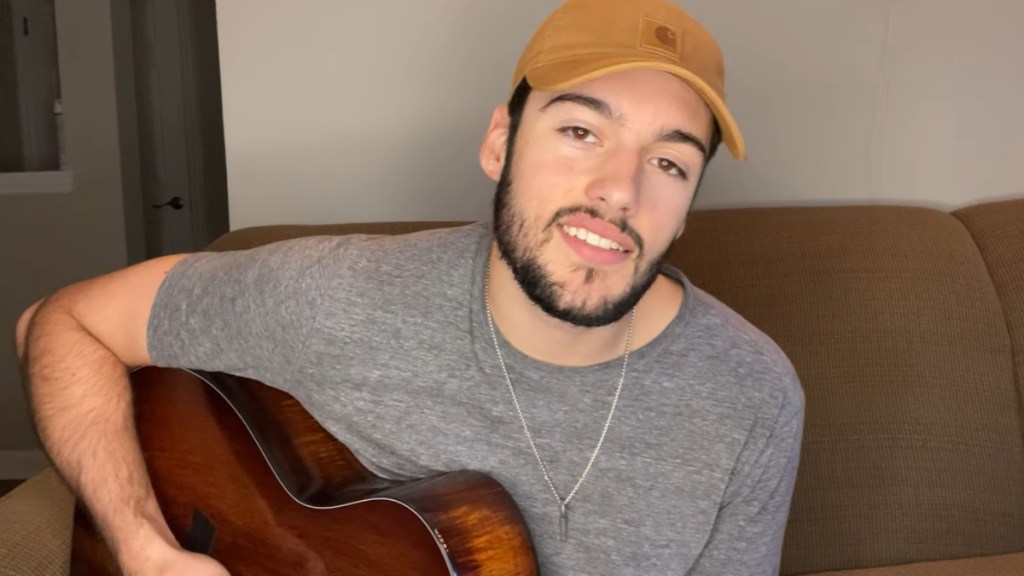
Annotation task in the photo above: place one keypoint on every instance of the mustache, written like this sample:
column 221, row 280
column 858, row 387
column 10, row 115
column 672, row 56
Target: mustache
column 619, row 223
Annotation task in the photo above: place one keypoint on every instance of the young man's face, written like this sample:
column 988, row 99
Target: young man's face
column 601, row 178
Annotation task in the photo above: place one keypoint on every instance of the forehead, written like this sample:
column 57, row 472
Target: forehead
column 640, row 96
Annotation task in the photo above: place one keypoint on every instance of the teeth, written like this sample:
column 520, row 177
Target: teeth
column 591, row 238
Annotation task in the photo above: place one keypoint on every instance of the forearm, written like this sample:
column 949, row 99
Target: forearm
column 81, row 400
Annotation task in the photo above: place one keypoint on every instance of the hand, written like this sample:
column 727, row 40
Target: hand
column 177, row 562
column 191, row 564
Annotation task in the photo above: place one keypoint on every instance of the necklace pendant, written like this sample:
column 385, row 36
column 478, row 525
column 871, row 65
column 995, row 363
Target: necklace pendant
column 563, row 521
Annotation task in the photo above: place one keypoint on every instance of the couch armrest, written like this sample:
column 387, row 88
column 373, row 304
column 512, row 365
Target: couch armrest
column 1002, row 565
column 35, row 527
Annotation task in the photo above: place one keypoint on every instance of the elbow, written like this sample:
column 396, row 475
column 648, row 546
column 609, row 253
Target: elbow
column 21, row 331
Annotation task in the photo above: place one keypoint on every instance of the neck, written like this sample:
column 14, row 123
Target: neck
column 547, row 339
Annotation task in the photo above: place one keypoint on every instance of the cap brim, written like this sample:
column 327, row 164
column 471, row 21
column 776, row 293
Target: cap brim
column 568, row 73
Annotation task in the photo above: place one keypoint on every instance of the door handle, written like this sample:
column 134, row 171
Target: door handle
column 176, row 203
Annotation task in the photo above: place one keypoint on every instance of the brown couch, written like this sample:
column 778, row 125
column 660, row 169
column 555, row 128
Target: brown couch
column 906, row 326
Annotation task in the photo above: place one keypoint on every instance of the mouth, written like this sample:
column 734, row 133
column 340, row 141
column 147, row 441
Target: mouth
column 592, row 238
column 596, row 242
column 592, row 230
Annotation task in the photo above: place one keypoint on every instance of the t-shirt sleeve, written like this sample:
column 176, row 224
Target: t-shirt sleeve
column 746, row 538
column 246, row 312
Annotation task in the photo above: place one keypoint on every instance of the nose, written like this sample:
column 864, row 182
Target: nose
column 616, row 184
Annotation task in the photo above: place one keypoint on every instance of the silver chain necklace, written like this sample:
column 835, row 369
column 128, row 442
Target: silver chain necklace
column 563, row 503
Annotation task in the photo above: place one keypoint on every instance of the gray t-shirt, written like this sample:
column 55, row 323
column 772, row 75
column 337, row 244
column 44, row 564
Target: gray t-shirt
column 385, row 341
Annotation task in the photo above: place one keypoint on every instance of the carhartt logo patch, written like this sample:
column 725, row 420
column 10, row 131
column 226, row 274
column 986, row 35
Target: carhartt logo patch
column 666, row 36
column 659, row 37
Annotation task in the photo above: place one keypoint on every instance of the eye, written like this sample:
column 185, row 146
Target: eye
column 670, row 167
column 579, row 133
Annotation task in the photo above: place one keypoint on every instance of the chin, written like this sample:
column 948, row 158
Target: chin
column 586, row 302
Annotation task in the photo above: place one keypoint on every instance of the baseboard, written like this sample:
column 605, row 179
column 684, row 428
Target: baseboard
column 21, row 464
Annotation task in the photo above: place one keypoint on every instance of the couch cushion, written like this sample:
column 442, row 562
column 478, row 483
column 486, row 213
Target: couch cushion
column 998, row 231
column 1003, row 565
column 912, row 445
column 35, row 527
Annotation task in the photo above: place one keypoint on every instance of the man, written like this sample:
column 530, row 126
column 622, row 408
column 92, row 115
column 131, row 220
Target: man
column 640, row 425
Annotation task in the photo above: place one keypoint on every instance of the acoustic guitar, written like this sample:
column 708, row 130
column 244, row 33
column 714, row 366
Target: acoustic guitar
column 244, row 474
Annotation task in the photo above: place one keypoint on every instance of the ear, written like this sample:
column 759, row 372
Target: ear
column 492, row 151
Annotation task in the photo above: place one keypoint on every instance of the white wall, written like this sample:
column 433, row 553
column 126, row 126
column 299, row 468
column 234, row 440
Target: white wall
column 374, row 109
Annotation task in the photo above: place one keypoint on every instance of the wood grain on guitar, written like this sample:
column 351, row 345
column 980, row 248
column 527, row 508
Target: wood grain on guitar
column 243, row 473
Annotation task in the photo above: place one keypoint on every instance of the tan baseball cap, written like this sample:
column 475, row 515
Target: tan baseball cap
column 585, row 39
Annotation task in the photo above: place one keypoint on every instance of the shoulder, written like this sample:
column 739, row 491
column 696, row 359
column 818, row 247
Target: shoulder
column 743, row 360
column 430, row 247
column 381, row 277
column 408, row 261
column 730, row 329
column 328, row 252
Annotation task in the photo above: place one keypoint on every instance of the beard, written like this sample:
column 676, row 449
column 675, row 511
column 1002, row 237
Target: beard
column 521, row 250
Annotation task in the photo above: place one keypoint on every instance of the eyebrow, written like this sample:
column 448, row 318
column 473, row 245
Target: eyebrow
column 595, row 104
column 602, row 108
column 684, row 137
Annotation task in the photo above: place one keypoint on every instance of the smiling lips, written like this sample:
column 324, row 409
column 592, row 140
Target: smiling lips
column 592, row 239
column 596, row 241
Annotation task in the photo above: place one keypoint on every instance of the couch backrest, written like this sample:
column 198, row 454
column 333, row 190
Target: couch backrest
column 998, row 230
column 913, row 444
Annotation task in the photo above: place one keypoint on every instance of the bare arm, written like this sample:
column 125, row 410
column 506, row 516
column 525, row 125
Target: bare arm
column 75, row 347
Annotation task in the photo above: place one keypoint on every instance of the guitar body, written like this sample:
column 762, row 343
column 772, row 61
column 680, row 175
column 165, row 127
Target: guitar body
column 243, row 473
